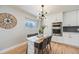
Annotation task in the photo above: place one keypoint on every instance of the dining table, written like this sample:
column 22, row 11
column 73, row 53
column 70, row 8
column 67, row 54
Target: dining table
column 32, row 40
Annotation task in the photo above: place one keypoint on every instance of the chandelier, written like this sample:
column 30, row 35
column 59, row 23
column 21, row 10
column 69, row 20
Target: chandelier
column 42, row 14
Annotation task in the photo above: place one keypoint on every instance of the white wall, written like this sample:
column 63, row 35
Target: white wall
column 10, row 37
column 48, row 28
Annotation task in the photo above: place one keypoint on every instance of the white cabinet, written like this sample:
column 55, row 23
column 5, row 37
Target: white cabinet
column 77, row 17
column 70, row 18
column 58, row 17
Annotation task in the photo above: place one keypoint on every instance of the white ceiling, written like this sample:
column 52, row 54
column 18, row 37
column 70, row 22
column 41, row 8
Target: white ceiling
column 51, row 9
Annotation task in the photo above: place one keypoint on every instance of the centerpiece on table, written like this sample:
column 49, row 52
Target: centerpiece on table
column 41, row 29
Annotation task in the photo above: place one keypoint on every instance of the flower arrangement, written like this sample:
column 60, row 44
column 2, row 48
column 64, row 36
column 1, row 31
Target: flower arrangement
column 41, row 30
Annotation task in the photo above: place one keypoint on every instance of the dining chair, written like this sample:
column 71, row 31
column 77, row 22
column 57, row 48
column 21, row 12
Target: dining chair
column 30, row 35
column 41, row 47
column 49, row 43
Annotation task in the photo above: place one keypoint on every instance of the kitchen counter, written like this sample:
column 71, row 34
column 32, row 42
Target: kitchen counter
column 68, row 38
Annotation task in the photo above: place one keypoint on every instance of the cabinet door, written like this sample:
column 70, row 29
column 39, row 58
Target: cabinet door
column 59, row 17
column 77, row 17
column 70, row 18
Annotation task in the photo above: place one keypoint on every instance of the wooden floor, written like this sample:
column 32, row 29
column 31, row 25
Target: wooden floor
column 57, row 48
column 19, row 50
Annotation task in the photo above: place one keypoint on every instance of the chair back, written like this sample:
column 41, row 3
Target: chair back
column 44, row 43
column 49, row 39
column 38, row 45
column 30, row 35
column 41, row 45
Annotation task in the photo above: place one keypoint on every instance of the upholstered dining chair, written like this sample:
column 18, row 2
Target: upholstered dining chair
column 41, row 47
column 49, row 43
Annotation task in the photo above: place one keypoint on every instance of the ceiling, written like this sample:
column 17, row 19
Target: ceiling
column 51, row 9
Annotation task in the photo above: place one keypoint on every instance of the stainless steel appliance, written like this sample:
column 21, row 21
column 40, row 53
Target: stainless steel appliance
column 57, row 28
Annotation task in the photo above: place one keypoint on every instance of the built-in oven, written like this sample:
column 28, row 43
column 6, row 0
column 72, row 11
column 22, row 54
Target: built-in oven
column 57, row 29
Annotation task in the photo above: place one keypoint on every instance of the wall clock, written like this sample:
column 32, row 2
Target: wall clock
column 7, row 21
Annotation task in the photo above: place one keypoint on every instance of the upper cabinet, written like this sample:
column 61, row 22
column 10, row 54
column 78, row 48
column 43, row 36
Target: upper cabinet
column 70, row 18
column 58, row 17
column 77, row 17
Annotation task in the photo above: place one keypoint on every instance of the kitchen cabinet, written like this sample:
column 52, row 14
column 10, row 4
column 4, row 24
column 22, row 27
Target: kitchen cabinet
column 68, row 38
column 77, row 17
column 57, row 17
column 70, row 18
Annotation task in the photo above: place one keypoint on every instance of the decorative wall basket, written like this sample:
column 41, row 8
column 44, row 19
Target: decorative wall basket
column 7, row 21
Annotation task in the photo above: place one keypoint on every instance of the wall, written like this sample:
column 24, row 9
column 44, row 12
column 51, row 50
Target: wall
column 47, row 30
column 17, row 34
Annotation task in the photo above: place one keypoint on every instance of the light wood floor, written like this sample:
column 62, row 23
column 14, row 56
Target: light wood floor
column 57, row 48
column 19, row 50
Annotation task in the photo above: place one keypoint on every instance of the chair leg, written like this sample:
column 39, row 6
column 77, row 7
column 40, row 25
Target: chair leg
column 47, row 49
column 38, row 51
column 35, row 50
column 50, row 46
column 26, row 51
column 44, row 50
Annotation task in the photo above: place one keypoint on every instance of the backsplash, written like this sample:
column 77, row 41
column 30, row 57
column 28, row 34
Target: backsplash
column 71, row 29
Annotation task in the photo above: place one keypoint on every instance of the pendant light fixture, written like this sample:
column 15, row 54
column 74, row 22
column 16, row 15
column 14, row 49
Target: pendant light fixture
column 42, row 14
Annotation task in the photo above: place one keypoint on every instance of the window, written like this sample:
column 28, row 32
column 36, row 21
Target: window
column 31, row 23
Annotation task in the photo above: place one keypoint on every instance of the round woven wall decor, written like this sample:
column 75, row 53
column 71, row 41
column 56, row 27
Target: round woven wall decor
column 7, row 21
